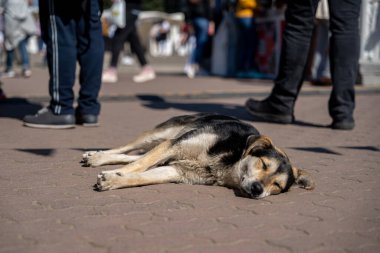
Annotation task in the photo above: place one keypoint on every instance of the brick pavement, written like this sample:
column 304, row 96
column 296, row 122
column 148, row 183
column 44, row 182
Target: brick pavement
column 47, row 203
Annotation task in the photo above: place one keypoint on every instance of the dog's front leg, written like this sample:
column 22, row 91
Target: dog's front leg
column 87, row 155
column 102, row 158
column 109, row 180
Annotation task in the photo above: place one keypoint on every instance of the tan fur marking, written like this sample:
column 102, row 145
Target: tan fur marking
column 262, row 142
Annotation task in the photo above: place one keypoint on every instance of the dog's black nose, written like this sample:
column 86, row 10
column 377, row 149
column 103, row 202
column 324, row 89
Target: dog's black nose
column 256, row 189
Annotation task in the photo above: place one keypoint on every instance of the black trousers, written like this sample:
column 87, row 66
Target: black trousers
column 129, row 32
column 344, row 54
column 72, row 32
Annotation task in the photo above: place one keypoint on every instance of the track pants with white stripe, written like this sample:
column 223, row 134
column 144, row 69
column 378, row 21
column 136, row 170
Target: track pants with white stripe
column 72, row 32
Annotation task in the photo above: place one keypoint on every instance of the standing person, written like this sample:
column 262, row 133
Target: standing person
column 344, row 54
column 130, row 33
column 245, row 12
column 198, row 14
column 72, row 32
column 19, row 26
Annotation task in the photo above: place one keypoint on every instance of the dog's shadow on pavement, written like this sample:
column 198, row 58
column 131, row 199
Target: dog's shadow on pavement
column 237, row 111
column 17, row 108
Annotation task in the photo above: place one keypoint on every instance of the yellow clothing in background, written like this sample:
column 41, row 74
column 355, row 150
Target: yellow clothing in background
column 245, row 8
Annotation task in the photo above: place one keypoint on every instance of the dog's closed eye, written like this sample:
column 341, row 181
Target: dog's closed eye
column 276, row 184
column 265, row 166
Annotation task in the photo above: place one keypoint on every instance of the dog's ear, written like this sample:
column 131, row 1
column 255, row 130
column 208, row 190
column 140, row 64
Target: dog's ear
column 256, row 143
column 303, row 179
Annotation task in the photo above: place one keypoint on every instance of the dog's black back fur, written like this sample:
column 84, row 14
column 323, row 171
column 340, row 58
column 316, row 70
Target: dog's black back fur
column 197, row 120
column 232, row 133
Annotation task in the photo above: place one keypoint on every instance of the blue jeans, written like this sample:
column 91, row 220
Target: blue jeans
column 23, row 54
column 201, row 36
column 246, row 43
column 344, row 54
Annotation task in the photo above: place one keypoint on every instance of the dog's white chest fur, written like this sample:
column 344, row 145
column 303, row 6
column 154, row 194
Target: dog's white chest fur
column 197, row 147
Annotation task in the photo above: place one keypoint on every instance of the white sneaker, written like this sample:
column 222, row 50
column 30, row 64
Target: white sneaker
column 190, row 70
column 145, row 75
column 27, row 73
column 9, row 74
column 109, row 76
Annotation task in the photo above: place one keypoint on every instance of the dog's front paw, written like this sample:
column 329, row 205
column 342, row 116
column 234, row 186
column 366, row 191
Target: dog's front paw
column 107, row 180
column 89, row 153
column 91, row 158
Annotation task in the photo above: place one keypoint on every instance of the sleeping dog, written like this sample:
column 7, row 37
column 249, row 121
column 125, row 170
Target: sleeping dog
column 206, row 149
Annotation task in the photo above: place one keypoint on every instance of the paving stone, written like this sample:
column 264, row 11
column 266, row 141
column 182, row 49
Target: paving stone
column 47, row 201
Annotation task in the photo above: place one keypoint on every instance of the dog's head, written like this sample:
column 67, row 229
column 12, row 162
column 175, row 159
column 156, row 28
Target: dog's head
column 266, row 170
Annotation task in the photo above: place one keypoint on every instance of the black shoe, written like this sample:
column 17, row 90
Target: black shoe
column 45, row 118
column 266, row 112
column 343, row 124
column 87, row 120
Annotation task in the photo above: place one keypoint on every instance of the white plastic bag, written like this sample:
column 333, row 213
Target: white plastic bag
column 118, row 13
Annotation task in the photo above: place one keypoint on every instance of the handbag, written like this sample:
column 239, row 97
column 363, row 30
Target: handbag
column 118, row 13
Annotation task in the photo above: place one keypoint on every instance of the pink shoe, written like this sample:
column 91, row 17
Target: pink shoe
column 26, row 73
column 145, row 75
column 109, row 76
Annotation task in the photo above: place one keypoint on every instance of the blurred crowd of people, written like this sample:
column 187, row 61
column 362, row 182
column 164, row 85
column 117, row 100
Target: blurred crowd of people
column 19, row 22
column 249, row 28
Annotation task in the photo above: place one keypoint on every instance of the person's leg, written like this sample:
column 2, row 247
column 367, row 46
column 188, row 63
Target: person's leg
column 90, row 57
column 201, row 35
column 117, row 45
column 147, row 73
column 295, row 45
column 120, row 37
column 245, row 43
column 61, row 56
column 22, row 46
column 296, row 42
column 24, row 53
column 118, row 41
column 9, row 63
column 344, row 55
column 59, row 33
column 136, row 47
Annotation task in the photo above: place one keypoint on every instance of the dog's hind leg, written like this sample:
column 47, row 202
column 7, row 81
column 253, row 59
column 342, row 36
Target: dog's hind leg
column 158, row 155
column 153, row 158
column 110, row 180
column 101, row 158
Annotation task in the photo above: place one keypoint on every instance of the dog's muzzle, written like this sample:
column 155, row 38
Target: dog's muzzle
column 256, row 189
